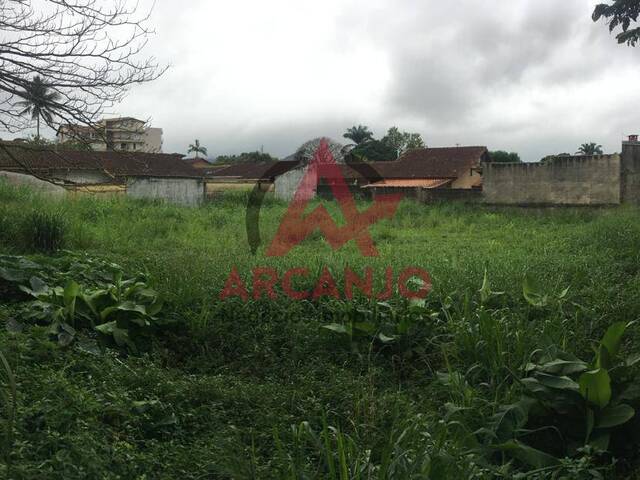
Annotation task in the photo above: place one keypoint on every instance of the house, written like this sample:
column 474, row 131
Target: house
column 416, row 171
column 120, row 134
column 433, row 168
column 136, row 174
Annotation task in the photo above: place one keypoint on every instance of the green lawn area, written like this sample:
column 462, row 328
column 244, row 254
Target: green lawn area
column 261, row 390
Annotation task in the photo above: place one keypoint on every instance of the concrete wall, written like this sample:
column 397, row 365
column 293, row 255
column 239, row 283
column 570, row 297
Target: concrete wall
column 631, row 172
column 185, row 191
column 564, row 181
column 406, row 192
column 285, row 185
column 41, row 186
column 432, row 195
column 463, row 195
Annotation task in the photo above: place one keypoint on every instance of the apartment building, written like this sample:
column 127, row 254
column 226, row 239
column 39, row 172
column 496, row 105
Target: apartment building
column 114, row 134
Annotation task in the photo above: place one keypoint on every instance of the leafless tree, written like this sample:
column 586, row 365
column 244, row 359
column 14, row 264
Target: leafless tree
column 88, row 51
column 307, row 150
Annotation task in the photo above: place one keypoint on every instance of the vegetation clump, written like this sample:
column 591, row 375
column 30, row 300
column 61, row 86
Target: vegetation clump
column 45, row 231
column 119, row 309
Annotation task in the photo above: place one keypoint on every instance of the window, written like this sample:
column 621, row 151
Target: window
column 123, row 146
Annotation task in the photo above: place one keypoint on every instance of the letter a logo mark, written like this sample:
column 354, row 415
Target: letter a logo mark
column 296, row 226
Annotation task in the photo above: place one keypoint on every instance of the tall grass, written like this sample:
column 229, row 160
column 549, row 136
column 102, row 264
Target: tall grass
column 8, row 393
column 44, row 231
column 408, row 451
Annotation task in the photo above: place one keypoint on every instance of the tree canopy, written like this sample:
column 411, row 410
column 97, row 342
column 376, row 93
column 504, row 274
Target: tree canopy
column 246, row 157
column 591, row 148
column 504, row 157
column 400, row 142
column 38, row 142
column 389, row 147
column 39, row 102
column 374, row 151
column 197, row 148
column 358, row 134
column 551, row 158
column 620, row 13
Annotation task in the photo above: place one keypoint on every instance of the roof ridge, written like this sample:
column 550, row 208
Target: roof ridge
column 449, row 148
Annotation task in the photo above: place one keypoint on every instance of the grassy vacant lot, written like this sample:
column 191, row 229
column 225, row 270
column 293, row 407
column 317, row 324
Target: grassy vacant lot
column 262, row 390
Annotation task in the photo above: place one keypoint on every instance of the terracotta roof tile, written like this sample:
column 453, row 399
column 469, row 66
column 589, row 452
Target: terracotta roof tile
column 424, row 163
column 194, row 161
column 119, row 164
column 450, row 162
column 253, row 171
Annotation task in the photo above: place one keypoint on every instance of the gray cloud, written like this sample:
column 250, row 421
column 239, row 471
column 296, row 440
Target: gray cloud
column 534, row 77
column 467, row 64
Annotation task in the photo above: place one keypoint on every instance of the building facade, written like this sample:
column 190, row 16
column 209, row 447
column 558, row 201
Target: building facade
column 123, row 134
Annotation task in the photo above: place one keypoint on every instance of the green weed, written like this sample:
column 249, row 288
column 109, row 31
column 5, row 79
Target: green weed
column 44, row 230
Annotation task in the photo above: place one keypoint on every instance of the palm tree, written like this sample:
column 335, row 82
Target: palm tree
column 195, row 147
column 590, row 149
column 39, row 101
column 359, row 134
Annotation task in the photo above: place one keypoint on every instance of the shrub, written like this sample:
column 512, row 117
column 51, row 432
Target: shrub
column 7, row 407
column 7, row 226
column 12, row 193
column 570, row 405
column 44, row 231
column 120, row 309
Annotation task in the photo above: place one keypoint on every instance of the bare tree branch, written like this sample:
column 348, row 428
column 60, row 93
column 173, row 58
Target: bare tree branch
column 88, row 51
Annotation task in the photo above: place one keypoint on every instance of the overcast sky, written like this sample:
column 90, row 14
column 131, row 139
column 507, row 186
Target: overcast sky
column 536, row 77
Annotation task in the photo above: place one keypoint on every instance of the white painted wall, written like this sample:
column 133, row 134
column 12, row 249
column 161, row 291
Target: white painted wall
column 23, row 180
column 185, row 191
column 152, row 140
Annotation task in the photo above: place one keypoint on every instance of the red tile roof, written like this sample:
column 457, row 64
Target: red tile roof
column 198, row 161
column 450, row 162
column 118, row 164
column 423, row 163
